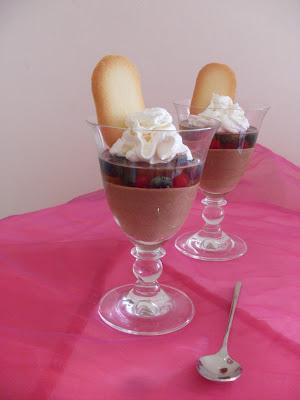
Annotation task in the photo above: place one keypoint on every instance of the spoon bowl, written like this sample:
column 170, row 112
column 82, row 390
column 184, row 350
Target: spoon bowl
column 219, row 367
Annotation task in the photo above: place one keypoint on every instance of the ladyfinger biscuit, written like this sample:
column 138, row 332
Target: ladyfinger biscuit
column 117, row 92
column 212, row 78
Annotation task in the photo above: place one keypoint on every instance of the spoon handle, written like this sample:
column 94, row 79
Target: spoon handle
column 235, row 298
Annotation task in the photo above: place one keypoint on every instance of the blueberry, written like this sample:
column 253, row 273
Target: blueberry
column 251, row 139
column 195, row 172
column 242, row 139
column 229, row 140
column 181, row 160
column 160, row 182
column 110, row 169
column 129, row 176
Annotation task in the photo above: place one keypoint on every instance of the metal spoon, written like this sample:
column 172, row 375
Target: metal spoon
column 221, row 367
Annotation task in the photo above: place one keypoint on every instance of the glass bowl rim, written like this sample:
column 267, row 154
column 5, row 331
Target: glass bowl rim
column 245, row 107
column 147, row 130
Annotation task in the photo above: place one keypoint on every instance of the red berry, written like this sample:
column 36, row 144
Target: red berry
column 142, row 181
column 229, row 145
column 181, row 180
column 215, row 144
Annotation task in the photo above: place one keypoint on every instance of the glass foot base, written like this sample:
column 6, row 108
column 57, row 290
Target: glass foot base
column 122, row 309
column 196, row 246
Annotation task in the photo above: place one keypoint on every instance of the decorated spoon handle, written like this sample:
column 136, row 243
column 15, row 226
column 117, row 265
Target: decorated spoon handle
column 235, row 298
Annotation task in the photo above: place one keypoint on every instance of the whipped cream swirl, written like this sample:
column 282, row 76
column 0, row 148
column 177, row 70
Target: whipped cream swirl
column 221, row 108
column 150, row 136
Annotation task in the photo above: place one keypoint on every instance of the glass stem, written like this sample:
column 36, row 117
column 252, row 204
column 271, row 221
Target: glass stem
column 211, row 237
column 147, row 298
column 147, row 268
column 213, row 215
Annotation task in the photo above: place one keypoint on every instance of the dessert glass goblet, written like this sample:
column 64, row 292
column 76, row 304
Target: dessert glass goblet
column 226, row 162
column 150, row 202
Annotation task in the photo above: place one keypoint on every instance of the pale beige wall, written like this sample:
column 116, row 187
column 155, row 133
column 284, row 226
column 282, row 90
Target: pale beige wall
column 47, row 52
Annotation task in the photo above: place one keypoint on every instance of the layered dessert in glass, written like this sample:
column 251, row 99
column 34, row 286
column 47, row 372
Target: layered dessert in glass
column 227, row 158
column 151, row 173
column 150, row 179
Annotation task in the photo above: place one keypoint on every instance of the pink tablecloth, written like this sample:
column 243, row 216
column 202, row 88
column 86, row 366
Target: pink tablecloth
column 56, row 263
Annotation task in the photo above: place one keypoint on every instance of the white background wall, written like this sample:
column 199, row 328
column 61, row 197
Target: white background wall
column 49, row 48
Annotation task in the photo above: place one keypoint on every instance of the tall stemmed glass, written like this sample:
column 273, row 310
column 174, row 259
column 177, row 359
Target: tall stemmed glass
column 226, row 162
column 150, row 203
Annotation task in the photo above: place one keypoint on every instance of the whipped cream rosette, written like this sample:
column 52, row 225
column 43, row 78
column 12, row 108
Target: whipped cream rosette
column 151, row 137
column 222, row 108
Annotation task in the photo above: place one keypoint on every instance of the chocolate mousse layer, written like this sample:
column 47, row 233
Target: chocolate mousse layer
column 223, row 169
column 150, row 215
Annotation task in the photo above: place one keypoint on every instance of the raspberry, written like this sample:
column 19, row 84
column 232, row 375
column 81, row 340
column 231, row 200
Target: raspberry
column 180, row 180
column 246, row 145
column 215, row 144
column 142, row 181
